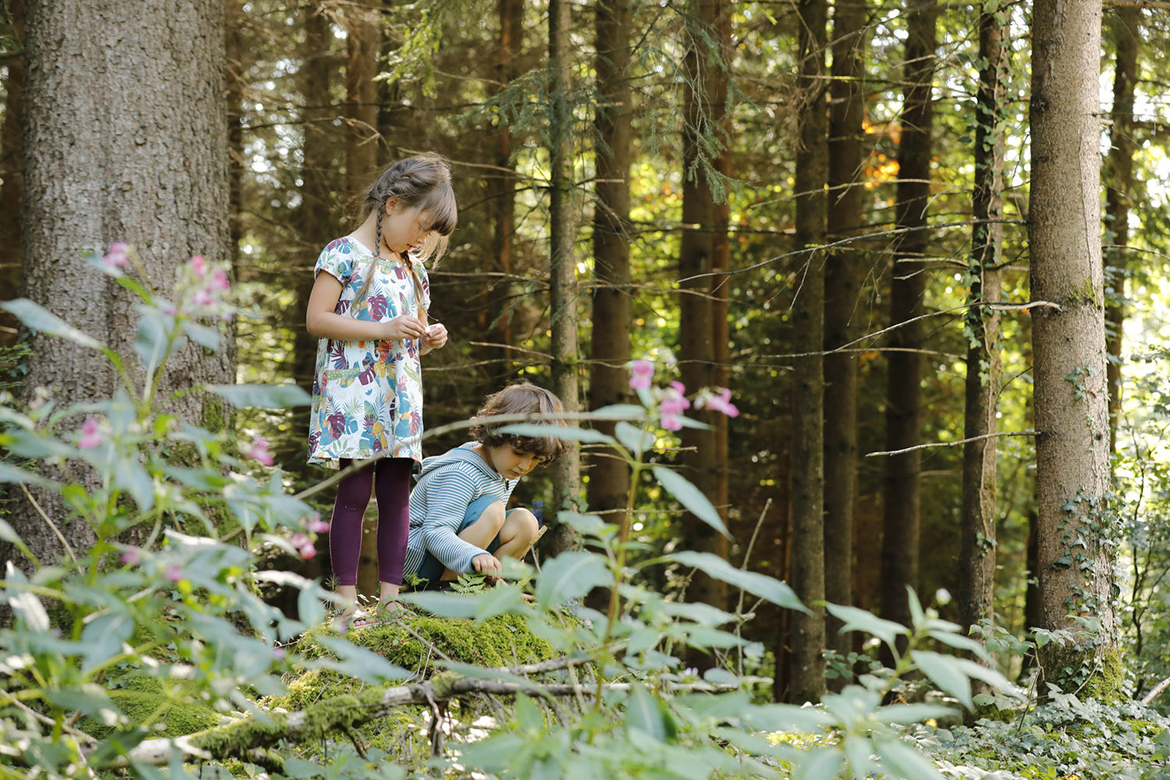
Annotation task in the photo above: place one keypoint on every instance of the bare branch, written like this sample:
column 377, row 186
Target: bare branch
column 950, row 443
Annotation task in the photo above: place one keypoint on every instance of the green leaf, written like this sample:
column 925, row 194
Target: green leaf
column 636, row 440
column 717, row 676
column 706, row 636
column 492, row 755
column 265, row 396
column 17, row 475
column 500, row 600
column 474, row 672
column 785, row 717
column 644, row 713
column 103, row 638
column 446, row 605
column 29, row 607
column 570, row 576
column 858, row 751
column 819, row 764
column 150, row 342
column 619, row 412
column 698, row 612
column 690, row 497
column 39, row 318
column 528, row 715
column 947, row 673
column 202, row 335
column 89, row 699
column 134, row 478
column 962, row 643
column 901, row 760
column 767, row 588
column 543, row 431
column 359, row 662
column 989, row 676
column 8, row 534
column 912, row 713
column 589, row 525
column 859, row 620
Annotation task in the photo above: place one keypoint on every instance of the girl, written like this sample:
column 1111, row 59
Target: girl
column 369, row 307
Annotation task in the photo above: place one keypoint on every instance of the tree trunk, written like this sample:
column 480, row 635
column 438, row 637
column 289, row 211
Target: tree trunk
column 709, row 24
column 96, row 175
column 609, row 477
column 1075, row 519
column 363, row 45
column 1118, row 197
column 844, row 274
column 807, row 676
column 12, row 173
column 236, row 48
column 563, row 271
column 900, row 526
column 977, row 527
column 502, row 183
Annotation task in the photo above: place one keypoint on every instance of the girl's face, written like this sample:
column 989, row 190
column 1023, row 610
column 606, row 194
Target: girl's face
column 404, row 228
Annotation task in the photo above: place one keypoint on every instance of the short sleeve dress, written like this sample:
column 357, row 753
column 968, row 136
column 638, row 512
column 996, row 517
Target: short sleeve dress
column 367, row 395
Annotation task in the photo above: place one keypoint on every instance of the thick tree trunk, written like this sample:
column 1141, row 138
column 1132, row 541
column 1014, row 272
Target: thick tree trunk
column 900, row 526
column 563, row 271
column 807, row 677
column 705, row 104
column 977, row 531
column 1075, row 521
column 363, row 45
column 12, row 173
column 1118, row 197
column 844, row 273
column 96, row 175
column 609, row 477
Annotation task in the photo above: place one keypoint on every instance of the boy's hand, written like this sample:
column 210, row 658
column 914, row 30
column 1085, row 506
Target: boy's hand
column 486, row 563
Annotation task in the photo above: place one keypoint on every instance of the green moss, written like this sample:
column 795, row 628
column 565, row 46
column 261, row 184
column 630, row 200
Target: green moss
column 148, row 701
column 1107, row 682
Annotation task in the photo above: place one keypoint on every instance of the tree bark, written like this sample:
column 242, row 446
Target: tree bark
column 977, row 527
column 108, row 161
column 1071, row 399
column 12, row 173
column 363, row 45
column 709, row 24
column 1119, row 185
column 900, row 525
column 807, row 674
column 609, row 477
column 844, row 274
column 563, row 270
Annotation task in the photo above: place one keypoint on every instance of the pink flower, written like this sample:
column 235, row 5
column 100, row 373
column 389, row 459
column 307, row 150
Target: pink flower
column 641, row 374
column 317, row 525
column 308, row 551
column 259, row 451
column 672, row 422
column 722, row 403
column 219, row 280
column 203, row 298
column 131, row 556
column 299, row 540
column 174, row 573
column 117, row 257
column 198, row 266
column 279, row 653
column 90, row 435
column 673, row 404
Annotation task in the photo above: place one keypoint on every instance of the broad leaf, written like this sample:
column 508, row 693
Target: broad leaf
column 901, row 760
column 859, row 620
column 39, row 318
column 818, row 764
column 691, row 497
column 761, row 585
column 265, row 396
column 634, row 439
column 359, row 662
column 17, row 475
column 644, row 713
column 447, row 605
column 570, row 576
column 947, row 673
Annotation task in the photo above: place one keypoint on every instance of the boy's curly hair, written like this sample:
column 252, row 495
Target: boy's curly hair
column 521, row 398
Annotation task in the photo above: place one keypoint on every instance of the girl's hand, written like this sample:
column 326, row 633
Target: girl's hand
column 403, row 327
column 435, row 337
column 486, row 563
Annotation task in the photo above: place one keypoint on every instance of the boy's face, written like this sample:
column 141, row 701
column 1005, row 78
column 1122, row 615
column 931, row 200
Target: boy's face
column 512, row 463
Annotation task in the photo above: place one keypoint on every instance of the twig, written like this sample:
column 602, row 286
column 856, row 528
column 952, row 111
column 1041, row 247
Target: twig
column 1149, row 697
column 950, row 443
column 48, row 520
column 1159, row 4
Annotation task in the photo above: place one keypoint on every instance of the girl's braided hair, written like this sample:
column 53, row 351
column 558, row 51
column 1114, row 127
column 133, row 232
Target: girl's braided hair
column 521, row 398
column 422, row 182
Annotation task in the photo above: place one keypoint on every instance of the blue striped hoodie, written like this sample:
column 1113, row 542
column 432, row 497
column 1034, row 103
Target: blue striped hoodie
column 438, row 503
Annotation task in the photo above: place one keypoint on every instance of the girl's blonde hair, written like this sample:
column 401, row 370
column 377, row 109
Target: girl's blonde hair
column 422, row 182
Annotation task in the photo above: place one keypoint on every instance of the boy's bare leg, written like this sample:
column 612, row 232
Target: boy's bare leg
column 519, row 532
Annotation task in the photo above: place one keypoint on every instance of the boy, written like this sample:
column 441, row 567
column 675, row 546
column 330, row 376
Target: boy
column 458, row 521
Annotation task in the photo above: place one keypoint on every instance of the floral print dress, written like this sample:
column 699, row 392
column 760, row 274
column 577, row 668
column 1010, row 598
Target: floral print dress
column 367, row 395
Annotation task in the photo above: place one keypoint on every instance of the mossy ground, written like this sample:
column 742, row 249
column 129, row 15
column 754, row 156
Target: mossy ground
column 163, row 704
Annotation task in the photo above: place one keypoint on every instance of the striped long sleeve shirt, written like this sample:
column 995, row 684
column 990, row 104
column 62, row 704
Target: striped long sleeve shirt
column 438, row 504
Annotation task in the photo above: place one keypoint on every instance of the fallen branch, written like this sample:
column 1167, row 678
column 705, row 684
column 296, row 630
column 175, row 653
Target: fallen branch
column 247, row 739
column 1149, row 697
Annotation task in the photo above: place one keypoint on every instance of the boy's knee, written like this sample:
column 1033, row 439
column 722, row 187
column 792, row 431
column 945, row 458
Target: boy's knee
column 493, row 515
column 526, row 525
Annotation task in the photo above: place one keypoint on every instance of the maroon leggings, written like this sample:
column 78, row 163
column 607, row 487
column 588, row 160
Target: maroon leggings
column 391, row 477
